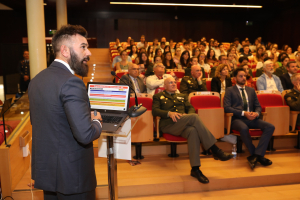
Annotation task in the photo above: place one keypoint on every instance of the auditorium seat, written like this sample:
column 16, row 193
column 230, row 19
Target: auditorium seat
column 143, row 129
column 120, row 73
column 178, row 72
column 208, row 84
column 254, row 72
column 254, row 79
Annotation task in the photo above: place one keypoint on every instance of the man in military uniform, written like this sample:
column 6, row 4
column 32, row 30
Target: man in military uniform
column 178, row 118
column 24, row 71
column 194, row 82
column 293, row 98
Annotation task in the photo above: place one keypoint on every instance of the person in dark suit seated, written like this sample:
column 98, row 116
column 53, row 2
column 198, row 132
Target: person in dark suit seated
column 286, row 78
column 194, row 82
column 222, row 79
column 63, row 126
column 133, row 79
column 293, row 98
column 243, row 103
column 178, row 118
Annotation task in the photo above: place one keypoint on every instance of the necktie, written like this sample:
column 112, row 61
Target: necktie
column 244, row 100
column 137, row 88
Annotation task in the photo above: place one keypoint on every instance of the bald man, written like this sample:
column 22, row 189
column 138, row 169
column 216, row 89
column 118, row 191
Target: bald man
column 133, row 79
column 194, row 82
column 178, row 118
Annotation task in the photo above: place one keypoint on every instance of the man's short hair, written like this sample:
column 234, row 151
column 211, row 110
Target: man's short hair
column 267, row 58
column 246, row 45
column 220, row 57
column 294, row 77
column 186, row 42
column 237, row 70
column 193, row 58
column 65, row 33
column 290, row 62
column 156, row 57
column 155, row 65
column 236, row 39
column 162, row 43
column 119, row 47
column 241, row 59
column 203, row 43
column 266, row 63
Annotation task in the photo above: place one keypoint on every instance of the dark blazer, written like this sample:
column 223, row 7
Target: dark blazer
column 216, row 84
column 188, row 84
column 286, row 82
column 233, row 102
column 140, row 81
column 62, row 132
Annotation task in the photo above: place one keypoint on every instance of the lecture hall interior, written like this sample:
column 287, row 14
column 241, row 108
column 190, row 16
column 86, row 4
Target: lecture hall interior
column 196, row 47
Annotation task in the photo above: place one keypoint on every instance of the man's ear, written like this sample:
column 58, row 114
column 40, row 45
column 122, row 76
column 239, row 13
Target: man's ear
column 65, row 51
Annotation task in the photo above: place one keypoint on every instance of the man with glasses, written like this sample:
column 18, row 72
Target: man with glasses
column 133, row 79
column 194, row 82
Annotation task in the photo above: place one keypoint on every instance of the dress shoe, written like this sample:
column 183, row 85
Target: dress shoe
column 264, row 161
column 198, row 174
column 221, row 155
column 252, row 160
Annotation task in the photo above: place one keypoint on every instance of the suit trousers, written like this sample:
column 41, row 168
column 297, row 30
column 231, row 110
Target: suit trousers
column 192, row 128
column 59, row 196
column 243, row 126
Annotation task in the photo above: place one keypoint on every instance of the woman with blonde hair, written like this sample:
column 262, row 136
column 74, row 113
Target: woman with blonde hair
column 222, row 79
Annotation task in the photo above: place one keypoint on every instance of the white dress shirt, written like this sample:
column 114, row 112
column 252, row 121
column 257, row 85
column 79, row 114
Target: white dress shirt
column 271, row 85
column 153, row 82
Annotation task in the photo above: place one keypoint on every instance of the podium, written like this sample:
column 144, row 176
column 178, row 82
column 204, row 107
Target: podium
column 108, row 146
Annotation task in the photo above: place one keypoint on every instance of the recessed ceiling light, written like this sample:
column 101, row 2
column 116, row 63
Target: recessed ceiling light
column 184, row 4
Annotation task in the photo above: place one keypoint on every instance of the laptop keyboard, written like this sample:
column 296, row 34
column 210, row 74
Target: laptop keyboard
column 111, row 119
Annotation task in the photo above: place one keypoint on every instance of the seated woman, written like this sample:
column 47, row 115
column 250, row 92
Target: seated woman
column 184, row 60
column 144, row 62
column 123, row 64
column 282, row 70
column 133, row 53
column 158, row 52
column 211, row 58
column 176, row 57
column 167, row 49
column 118, row 43
column 177, row 45
column 234, row 52
column 289, row 52
column 196, row 52
column 249, row 81
column 168, row 61
column 150, row 53
column 279, row 60
column 273, row 54
column 142, row 50
column 222, row 80
column 298, row 50
column 297, row 57
column 259, row 55
column 203, row 63
column 284, row 47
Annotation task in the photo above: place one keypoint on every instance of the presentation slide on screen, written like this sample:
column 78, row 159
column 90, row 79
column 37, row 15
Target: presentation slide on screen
column 108, row 97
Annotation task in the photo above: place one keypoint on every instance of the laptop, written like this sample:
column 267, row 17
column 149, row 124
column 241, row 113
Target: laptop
column 112, row 101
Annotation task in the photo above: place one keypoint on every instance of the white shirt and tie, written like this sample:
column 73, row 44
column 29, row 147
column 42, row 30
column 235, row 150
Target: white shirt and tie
column 136, row 84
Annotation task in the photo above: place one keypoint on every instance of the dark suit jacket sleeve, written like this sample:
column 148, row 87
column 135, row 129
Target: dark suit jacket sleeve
column 214, row 85
column 77, row 109
column 283, row 83
column 228, row 103
column 184, row 87
column 228, row 82
column 156, row 111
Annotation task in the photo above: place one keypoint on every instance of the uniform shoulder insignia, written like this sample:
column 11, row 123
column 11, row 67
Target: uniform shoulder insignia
column 289, row 98
column 162, row 97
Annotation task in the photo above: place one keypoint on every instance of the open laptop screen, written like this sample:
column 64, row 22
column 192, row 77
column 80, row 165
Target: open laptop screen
column 108, row 96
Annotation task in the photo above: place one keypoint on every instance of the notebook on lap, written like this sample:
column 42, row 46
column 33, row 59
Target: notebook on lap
column 112, row 101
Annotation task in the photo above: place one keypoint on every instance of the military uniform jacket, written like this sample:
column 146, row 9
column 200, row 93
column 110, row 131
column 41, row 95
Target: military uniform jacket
column 280, row 71
column 23, row 68
column 164, row 102
column 293, row 101
column 189, row 84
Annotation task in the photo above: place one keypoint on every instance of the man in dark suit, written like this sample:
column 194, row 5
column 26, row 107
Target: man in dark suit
column 133, row 79
column 178, row 118
column 24, row 71
column 194, row 82
column 63, row 127
column 243, row 103
column 286, row 78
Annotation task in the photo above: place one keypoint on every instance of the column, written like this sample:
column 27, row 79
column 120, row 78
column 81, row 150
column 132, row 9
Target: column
column 36, row 36
column 61, row 13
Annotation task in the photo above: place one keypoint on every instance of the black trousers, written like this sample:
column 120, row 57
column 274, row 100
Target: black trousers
column 59, row 196
column 24, row 84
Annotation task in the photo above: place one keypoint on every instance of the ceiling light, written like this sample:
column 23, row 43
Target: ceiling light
column 184, row 4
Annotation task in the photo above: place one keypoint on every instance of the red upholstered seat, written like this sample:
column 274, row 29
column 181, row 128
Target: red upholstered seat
column 206, row 75
column 208, row 85
column 203, row 101
column 159, row 89
column 172, row 138
column 119, row 74
column 269, row 100
column 298, row 127
column 179, row 74
column 252, row 132
column 254, row 74
column 178, row 85
column 147, row 102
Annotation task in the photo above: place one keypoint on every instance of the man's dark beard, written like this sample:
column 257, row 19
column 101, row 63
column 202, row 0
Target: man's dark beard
column 77, row 65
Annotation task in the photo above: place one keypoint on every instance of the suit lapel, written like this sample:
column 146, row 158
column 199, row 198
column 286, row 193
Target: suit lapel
column 130, row 81
column 238, row 94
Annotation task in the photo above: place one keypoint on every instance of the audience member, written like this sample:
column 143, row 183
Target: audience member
column 202, row 48
column 127, row 43
column 167, row 49
column 222, row 60
column 286, row 78
column 133, row 79
column 273, row 54
column 168, row 61
column 124, row 63
column 118, row 58
column 194, row 82
column 259, row 55
column 184, row 60
column 133, row 53
column 158, row 52
column 171, row 44
column 163, row 39
column 177, row 56
column 157, row 80
column 220, row 51
column 149, row 71
column 282, row 70
column 249, row 81
column 268, row 80
column 150, row 53
column 298, row 50
column 222, row 80
column 141, row 43
column 144, row 62
column 196, row 52
column 24, row 71
column 155, row 44
column 203, row 63
column 246, row 116
column 118, row 43
column 162, row 46
column 233, row 50
column 131, row 44
column 246, row 51
column 284, row 47
column 237, row 43
column 298, row 59
column 193, row 61
column 245, row 60
column 177, row 45
column 178, row 118
column 289, row 52
column 211, row 58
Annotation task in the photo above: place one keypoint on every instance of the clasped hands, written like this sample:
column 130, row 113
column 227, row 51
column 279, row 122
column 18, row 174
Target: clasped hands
column 175, row 115
column 250, row 115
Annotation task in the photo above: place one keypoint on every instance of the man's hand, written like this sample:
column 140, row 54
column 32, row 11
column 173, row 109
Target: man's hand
column 298, row 86
column 250, row 115
column 172, row 74
column 200, row 77
column 26, row 78
column 174, row 116
column 98, row 116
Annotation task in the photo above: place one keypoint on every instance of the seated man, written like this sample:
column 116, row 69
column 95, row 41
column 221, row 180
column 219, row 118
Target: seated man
column 194, row 82
column 246, row 52
column 243, row 103
column 133, row 79
column 286, row 78
column 260, row 71
column 157, row 80
column 245, row 60
column 178, row 118
column 268, row 80
column 293, row 98
column 118, row 58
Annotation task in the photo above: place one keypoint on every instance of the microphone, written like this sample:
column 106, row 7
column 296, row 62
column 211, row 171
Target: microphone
column 136, row 110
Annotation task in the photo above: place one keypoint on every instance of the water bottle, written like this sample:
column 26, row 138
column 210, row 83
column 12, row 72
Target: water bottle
column 234, row 150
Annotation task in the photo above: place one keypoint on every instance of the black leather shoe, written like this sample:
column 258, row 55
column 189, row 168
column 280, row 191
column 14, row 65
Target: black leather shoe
column 264, row 161
column 221, row 155
column 252, row 160
column 198, row 174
